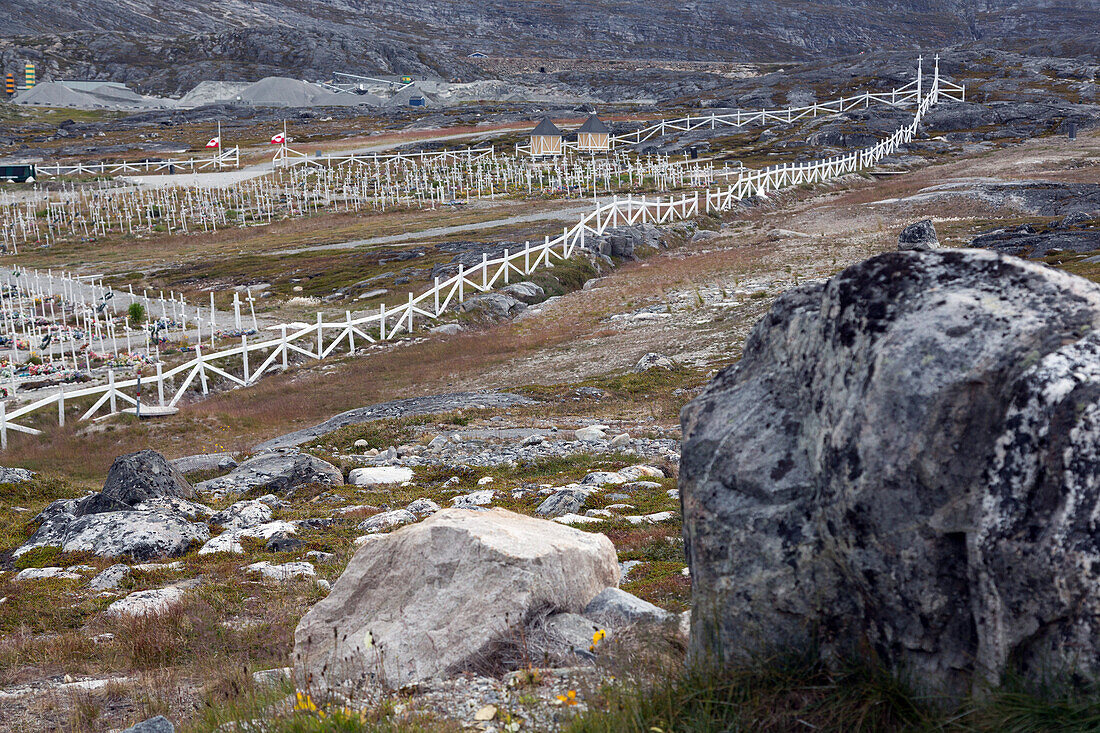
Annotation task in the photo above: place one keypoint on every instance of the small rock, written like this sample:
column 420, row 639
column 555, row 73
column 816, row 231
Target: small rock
column 474, row 499
column 622, row 440
column 562, row 502
column 526, row 291
column 572, row 519
column 110, row 578
column 243, row 514
column 361, row 444
column 638, row 471
column 377, row 475
column 616, row 607
column 318, row 556
column 45, row 574
column 653, row 360
column 282, row 543
column 271, row 677
column 592, row 434
column 286, row 571
column 919, row 236
column 159, row 724
column 423, row 507
column 600, row 478
column 146, row 602
column 484, row 480
column 639, row 485
column 230, row 541
column 386, row 521
column 14, row 475
column 486, row 713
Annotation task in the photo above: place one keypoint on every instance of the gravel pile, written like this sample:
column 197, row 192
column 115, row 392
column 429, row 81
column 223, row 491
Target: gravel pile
column 53, row 94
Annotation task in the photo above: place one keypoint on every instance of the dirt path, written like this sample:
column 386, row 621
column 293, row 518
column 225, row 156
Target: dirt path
column 221, row 179
column 568, row 214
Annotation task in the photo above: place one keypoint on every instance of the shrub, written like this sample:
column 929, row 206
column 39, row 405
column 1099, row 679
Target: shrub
column 38, row 557
column 136, row 312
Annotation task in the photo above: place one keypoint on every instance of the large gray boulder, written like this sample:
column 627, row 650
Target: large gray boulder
column 134, row 478
column 906, row 457
column 143, row 512
column 445, row 596
column 277, row 472
column 141, row 535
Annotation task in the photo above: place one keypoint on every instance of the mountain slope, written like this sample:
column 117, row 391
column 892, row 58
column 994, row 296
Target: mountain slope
column 162, row 44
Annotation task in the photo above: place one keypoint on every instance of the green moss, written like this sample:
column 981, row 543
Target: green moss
column 38, row 557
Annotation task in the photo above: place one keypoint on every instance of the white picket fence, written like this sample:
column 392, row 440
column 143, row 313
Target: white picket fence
column 244, row 364
column 229, row 158
column 908, row 95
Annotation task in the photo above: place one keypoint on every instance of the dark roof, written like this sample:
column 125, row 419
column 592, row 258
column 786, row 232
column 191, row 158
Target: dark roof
column 546, row 128
column 593, row 124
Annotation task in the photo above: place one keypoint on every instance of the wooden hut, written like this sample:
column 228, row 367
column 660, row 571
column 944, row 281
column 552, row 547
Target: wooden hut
column 593, row 136
column 546, row 139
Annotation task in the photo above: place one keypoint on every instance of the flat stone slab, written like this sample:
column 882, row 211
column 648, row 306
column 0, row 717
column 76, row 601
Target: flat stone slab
column 373, row 475
column 147, row 412
column 427, row 405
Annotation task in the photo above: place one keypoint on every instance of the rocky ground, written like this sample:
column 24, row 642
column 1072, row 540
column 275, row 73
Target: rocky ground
column 134, row 587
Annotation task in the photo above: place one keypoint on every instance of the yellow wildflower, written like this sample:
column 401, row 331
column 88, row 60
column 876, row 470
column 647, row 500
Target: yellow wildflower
column 569, row 698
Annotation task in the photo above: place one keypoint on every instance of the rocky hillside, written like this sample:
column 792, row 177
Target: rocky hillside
column 110, row 39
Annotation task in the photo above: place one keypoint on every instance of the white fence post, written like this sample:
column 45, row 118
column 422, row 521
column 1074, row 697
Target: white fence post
column 111, row 388
column 3, row 424
column 61, row 406
column 160, row 385
column 244, row 356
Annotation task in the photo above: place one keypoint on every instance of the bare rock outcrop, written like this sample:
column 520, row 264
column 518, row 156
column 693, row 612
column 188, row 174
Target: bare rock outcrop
column 135, row 478
column 906, row 457
column 446, row 596
column 279, row 471
column 142, row 512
